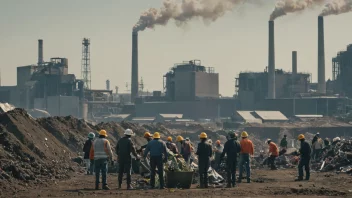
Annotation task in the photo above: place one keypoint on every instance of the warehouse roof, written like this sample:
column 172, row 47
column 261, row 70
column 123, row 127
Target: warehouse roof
column 271, row 116
column 247, row 116
column 170, row 116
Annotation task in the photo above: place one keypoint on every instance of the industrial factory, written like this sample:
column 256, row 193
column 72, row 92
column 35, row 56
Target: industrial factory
column 190, row 89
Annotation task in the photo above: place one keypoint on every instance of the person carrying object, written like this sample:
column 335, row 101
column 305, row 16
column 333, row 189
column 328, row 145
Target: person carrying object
column 124, row 149
column 157, row 149
column 86, row 150
column 101, row 153
column 204, row 152
column 232, row 148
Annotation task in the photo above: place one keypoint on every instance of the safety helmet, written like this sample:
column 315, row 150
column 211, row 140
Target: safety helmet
column 147, row 135
column 244, row 134
column 91, row 135
column 301, row 137
column 156, row 135
column 128, row 132
column 179, row 138
column 103, row 133
column 169, row 139
column 203, row 136
column 218, row 142
column 318, row 134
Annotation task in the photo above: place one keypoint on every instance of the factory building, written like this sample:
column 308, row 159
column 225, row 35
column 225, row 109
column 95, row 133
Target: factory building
column 190, row 81
column 252, row 88
column 191, row 89
column 342, row 72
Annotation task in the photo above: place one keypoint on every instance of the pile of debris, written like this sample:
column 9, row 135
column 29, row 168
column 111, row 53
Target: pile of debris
column 338, row 158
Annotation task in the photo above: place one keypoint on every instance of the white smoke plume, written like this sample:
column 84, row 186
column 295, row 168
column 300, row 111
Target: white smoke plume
column 182, row 11
column 336, row 7
column 283, row 7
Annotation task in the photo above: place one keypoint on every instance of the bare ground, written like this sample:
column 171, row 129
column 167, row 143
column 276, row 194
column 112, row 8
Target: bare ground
column 265, row 184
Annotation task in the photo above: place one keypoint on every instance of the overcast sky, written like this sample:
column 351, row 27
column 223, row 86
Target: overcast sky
column 236, row 42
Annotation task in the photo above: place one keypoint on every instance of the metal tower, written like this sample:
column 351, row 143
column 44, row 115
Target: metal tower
column 85, row 69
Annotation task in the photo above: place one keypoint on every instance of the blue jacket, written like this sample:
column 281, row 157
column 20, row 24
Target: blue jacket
column 156, row 149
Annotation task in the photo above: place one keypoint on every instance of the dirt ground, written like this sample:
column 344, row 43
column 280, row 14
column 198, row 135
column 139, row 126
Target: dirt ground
column 265, row 183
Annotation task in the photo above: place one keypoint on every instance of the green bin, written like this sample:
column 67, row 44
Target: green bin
column 179, row 179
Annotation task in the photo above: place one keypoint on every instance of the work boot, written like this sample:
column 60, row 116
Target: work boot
column 249, row 180
column 96, row 187
column 106, row 187
column 299, row 179
column 234, row 185
column 229, row 186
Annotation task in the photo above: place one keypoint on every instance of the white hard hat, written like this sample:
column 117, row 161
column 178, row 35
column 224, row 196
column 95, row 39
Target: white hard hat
column 128, row 132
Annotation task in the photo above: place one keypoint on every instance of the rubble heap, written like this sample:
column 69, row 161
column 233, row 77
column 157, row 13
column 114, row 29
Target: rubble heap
column 339, row 157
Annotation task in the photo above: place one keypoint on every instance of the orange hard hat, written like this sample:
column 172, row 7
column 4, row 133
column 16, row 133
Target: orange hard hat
column 218, row 142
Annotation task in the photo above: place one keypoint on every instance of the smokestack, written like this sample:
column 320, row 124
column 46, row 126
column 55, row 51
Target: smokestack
column 134, row 79
column 271, row 65
column 321, row 57
column 40, row 52
column 294, row 62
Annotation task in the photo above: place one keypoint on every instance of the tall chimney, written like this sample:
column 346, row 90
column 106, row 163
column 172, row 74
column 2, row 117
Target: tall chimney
column 134, row 79
column 40, row 52
column 271, row 65
column 294, row 62
column 321, row 57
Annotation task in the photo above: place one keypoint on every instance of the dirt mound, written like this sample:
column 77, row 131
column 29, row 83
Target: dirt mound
column 29, row 153
column 308, row 191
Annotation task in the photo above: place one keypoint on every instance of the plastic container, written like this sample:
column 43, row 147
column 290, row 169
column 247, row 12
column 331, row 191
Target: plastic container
column 179, row 179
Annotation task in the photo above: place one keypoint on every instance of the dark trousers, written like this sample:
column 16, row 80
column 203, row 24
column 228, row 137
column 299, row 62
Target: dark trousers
column 271, row 161
column 231, row 172
column 203, row 167
column 156, row 162
column 304, row 163
column 125, row 167
column 245, row 162
column 100, row 165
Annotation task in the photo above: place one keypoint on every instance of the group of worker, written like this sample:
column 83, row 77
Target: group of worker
column 98, row 154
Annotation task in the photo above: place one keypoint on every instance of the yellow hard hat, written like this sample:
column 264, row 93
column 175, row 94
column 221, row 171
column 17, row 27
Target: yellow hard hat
column 301, row 137
column 156, row 135
column 169, row 139
column 244, row 134
column 179, row 138
column 103, row 132
column 147, row 134
column 203, row 136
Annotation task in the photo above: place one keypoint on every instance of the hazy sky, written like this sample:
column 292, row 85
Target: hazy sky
column 236, row 42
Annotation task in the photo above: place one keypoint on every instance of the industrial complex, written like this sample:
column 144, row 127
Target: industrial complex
column 190, row 89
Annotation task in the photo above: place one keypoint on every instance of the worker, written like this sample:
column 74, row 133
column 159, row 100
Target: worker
column 124, row 149
column 218, row 151
column 171, row 146
column 232, row 148
column 86, row 150
column 247, row 150
column 148, row 137
column 101, row 153
column 335, row 141
column 179, row 140
column 273, row 154
column 204, row 152
column 305, row 152
column 327, row 144
column 317, row 145
column 157, row 149
column 186, row 149
column 283, row 143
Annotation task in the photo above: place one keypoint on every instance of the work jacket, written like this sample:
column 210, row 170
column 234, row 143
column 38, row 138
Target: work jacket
column 305, row 150
column 247, row 146
column 232, row 148
column 156, row 148
column 204, row 152
column 124, row 149
column 100, row 149
column 86, row 148
column 273, row 149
